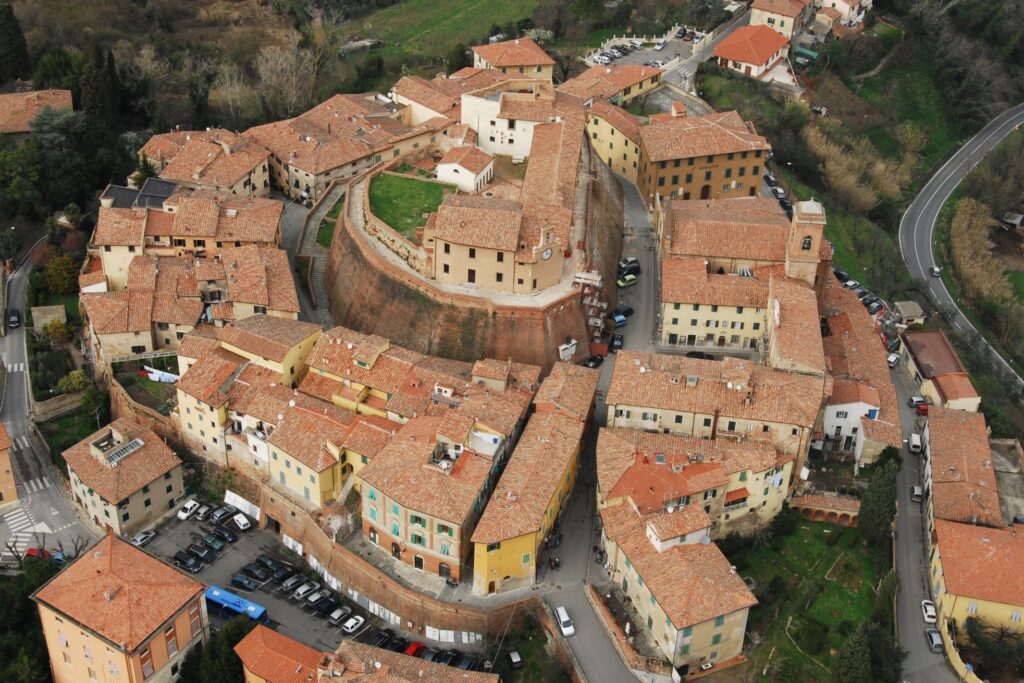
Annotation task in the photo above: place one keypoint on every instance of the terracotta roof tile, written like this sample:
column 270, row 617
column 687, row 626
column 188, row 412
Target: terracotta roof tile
column 478, row 221
column 516, row 52
column 118, row 227
column 981, row 563
column 569, row 389
column 846, row 391
column 216, row 157
column 267, row 336
column 227, row 217
column 17, row 109
column 276, row 658
column 687, row 281
column 306, row 430
column 473, row 159
column 618, row 118
column 963, row 478
column 955, row 385
column 786, row 8
column 795, row 326
column 208, row 380
column 119, row 312
column 359, row 663
column 729, row 228
column 119, row 592
column 260, row 276
column 606, row 81
column 751, row 45
column 683, row 137
column 198, row 342
column 151, row 460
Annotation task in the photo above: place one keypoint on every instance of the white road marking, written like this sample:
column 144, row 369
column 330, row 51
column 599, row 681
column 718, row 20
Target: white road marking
column 15, row 367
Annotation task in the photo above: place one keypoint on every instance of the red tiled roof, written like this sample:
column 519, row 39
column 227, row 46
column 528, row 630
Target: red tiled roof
column 516, row 52
column 981, row 563
column 964, row 485
column 751, row 45
column 17, row 109
column 276, row 658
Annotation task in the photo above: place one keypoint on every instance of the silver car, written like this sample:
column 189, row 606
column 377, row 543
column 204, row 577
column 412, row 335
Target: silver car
column 305, row 589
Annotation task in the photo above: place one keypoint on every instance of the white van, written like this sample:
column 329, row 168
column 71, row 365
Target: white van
column 564, row 622
column 915, row 443
column 660, row 45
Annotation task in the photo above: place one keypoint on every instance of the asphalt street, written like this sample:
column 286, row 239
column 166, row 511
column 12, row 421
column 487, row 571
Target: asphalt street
column 917, row 228
column 42, row 517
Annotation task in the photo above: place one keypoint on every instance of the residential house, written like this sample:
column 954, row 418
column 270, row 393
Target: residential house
column 117, row 613
column 731, row 399
column 976, row 573
column 536, row 483
column 119, row 324
column 848, row 10
column 467, row 168
column 787, row 17
column 337, row 139
column 8, row 484
column 18, row 109
column 932, row 361
column 212, row 159
column 614, row 136
column 271, row 657
column 441, row 96
column 752, row 50
column 124, row 477
column 617, row 83
column 522, row 56
column 717, row 156
column 862, row 413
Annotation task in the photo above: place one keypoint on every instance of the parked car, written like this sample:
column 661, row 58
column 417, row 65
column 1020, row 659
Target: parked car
column 41, row 553
column 203, row 512
column 916, row 496
column 243, row 582
column 631, row 268
column 935, row 271
column 601, row 59
column 875, row 307
column 430, row 654
column 687, row 36
column 660, row 45
column 326, row 606
column 381, row 638
column 658, row 64
column 225, row 534
column 893, row 360
column 778, row 192
column 467, row 662
column 222, row 513
column 770, row 180
column 258, row 572
column 786, row 205
column 868, row 300
column 201, row 552
column 619, row 321
column 316, row 597
column 626, row 281
column 700, row 354
column 14, row 318
column 353, row 624
column 851, row 284
column 616, row 51
column 305, row 589
column 283, row 574
column 270, row 563
column 840, row 275
column 398, row 644
column 914, row 443
column 183, row 560
column 861, row 292
column 922, row 410
column 414, row 649
column 629, row 262
column 934, row 639
column 636, row 43
column 624, row 311
column 616, row 342
column 212, row 542
column 564, row 622
column 448, row 657
column 339, row 615
column 594, row 362
column 242, row 522
column 916, row 401
column 143, row 537
column 681, row 33
column 292, row 582
column 188, row 509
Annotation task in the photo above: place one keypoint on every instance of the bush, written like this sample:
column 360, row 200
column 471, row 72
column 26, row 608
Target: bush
column 72, row 382
column 811, row 635
column 785, row 523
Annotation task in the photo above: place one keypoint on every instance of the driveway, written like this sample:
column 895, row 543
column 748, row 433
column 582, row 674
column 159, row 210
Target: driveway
column 917, row 228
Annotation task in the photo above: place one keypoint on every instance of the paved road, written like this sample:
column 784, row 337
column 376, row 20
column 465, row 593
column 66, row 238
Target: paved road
column 917, row 227
column 921, row 665
column 42, row 517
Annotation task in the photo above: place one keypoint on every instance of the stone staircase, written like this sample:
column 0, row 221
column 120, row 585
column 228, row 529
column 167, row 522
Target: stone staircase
column 318, row 253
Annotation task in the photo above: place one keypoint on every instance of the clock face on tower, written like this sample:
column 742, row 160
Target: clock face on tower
column 546, row 254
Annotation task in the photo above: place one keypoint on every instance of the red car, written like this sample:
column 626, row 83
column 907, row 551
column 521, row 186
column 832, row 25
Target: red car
column 923, row 410
column 414, row 649
column 37, row 552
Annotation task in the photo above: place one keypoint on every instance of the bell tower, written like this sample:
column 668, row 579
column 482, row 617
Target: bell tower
column 803, row 249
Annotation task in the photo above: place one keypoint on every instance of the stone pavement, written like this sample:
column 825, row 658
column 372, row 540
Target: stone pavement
column 317, row 254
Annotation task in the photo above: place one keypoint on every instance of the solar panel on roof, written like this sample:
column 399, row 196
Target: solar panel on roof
column 122, row 452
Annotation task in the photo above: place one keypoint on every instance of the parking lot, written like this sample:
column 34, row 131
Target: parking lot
column 292, row 617
column 675, row 47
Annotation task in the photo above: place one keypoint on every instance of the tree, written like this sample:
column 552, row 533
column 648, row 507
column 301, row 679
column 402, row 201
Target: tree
column 73, row 215
column 886, row 658
column 458, row 58
column 703, row 13
column 99, row 94
column 283, row 76
column 96, row 403
column 1001, row 649
column 9, row 244
column 60, row 333
column 58, row 68
column 877, row 511
column 143, row 169
column 72, row 382
column 588, row 10
column 62, row 275
column 216, row 662
column 322, row 41
column 853, row 661
column 41, row 255
column 14, row 60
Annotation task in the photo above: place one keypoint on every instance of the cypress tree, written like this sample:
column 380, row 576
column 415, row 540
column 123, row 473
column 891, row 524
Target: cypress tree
column 14, row 60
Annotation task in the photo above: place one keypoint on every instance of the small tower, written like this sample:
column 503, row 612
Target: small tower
column 803, row 250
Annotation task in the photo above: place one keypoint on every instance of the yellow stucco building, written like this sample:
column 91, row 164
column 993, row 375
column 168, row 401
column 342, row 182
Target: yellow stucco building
column 520, row 56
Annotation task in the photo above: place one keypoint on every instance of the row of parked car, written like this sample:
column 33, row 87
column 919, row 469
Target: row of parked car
column 871, row 302
column 779, row 193
column 616, row 51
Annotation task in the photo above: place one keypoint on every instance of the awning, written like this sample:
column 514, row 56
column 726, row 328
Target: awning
column 738, row 494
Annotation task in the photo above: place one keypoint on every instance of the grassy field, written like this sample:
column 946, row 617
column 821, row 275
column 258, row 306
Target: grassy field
column 1017, row 280
column 63, row 432
column 70, row 302
column 825, row 583
column 429, row 28
column 401, row 202
column 538, row 665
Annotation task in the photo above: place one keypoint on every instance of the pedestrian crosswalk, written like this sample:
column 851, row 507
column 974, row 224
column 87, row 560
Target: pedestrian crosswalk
column 15, row 367
column 20, row 525
column 34, row 485
column 20, row 443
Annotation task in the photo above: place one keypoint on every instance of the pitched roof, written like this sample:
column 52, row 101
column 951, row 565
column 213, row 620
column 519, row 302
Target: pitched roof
column 964, row 485
column 115, row 482
column 845, row 392
column 682, row 137
column 478, row 221
column 472, row 159
column 200, row 340
column 224, row 217
column 606, row 81
column 214, row 157
column 731, row 388
column 359, row 663
column 267, row 336
column 17, row 109
column 751, row 45
column 307, row 429
column 786, row 8
column 516, row 52
column 118, row 227
column 119, row 592
column 260, row 276
column 981, row 563
column 569, row 388
column 208, row 378
column 276, row 658
column 618, row 118
column 743, row 228
column 955, row 385
column 534, row 472
column 119, row 312
column 795, row 326
column 692, row 582
column 688, row 281
column 5, row 439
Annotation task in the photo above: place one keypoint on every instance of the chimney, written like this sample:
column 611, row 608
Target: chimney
column 678, row 109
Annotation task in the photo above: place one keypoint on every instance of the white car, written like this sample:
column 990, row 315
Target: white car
column 353, row 624
column 242, row 522
column 601, row 59
column 143, row 537
column 188, row 509
column 935, row 271
column 851, row 284
column 305, row 589
column 658, row 64
column 893, row 360
column 660, row 45
column 928, row 611
column 778, row 193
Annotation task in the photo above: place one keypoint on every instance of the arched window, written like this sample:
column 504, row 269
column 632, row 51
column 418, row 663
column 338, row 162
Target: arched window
column 807, row 243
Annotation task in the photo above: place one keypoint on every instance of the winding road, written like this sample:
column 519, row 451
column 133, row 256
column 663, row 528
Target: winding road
column 917, row 228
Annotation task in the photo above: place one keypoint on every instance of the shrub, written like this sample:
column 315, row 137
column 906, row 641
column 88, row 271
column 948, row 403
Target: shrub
column 811, row 635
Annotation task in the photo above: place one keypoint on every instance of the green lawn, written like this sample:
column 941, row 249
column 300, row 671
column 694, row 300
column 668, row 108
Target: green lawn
column 325, row 233
column 70, row 302
column 63, row 432
column 401, row 202
column 821, row 558
column 1017, row 280
column 538, row 665
column 428, row 28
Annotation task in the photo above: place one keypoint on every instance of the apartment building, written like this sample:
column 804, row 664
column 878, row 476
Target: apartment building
column 520, row 56
column 533, row 490
column 787, row 17
column 504, row 115
column 117, row 613
column 124, row 477
column 692, row 602
column 337, row 139
column 862, row 413
column 616, row 83
column 18, row 109
column 187, row 223
column 212, row 159
column 614, row 136
column 8, row 484
column 717, row 156
column 932, row 361
column 731, row 399
column 738, row 485
column 752, row 50
column 424, row 99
